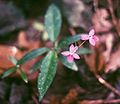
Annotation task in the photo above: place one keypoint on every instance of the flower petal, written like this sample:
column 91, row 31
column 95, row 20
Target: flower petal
column 96, row 38
column 75, row 49
column 71, row 48
column 70, row 58
column 84, row 37
column 92, row 41
column 76, row 56
column 92, row 32
column 65, row 53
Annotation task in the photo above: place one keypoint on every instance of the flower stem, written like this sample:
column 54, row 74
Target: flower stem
column 82, row 43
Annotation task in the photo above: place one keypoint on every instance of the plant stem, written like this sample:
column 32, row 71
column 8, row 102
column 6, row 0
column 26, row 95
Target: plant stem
column 105, row 83
column 82, row 43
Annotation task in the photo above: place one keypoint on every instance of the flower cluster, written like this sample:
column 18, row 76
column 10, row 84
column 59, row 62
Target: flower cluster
column 71, row 54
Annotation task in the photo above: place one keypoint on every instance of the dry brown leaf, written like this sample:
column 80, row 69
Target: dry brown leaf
column 71, row 97
column 54, row 100
column 22, row 41
column 114, row 61
column 101, row 24
column 95, row 61
column 6, row 51
column 105, row 44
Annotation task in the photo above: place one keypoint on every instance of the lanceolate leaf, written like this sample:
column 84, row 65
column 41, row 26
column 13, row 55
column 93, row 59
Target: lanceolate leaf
column 68, row 40
column 9, row 71
column 82, row 51
column 71, row 65
column 13, row 60
column 36, row 66
column 32, row 54
column 53, row 22
column 48, row 70
column 23, row 75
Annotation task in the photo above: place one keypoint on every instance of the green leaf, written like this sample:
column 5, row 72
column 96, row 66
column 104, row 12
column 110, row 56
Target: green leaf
column 23, row 75
column 71, row 65
column 32, row 54
column 13, row 60
column 53, row 22
column 9, row 71
column 36, row 66
column 68, row 40
column 82, row 51
column 48, row 70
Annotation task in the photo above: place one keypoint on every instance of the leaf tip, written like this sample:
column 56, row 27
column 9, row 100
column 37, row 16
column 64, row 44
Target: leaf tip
column 2, row 76
column 40, row 98
column 26, row 81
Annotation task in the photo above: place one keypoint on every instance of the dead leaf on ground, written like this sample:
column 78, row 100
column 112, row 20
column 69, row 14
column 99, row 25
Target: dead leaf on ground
column 71, row 97
column 101, row 24
column 95, row 61
column 114, row 61
column 106, row 44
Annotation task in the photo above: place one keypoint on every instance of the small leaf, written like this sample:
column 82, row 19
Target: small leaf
column 9, row 71
column 36, row 66
column 82, row 51
column 13, row 60
column 68, row 40
column 48, row 70
column 71, row 65
column 53, row 22
column 32, row 54
column 23, row 75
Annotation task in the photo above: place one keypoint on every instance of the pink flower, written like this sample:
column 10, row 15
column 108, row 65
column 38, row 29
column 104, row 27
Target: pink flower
column 71, row 54
column 91, row 37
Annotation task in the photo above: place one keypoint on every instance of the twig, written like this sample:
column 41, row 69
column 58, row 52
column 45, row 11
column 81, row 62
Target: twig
column 72, row 31
column 114, row 19
column 35, row 99
column 105, row 83
column 95, row 4
column 100, row 101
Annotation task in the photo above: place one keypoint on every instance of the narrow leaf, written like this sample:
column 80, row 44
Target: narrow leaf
column 13, row 60
column 32, row 54
column 82, row 51
column 48, row 70
column 53, row 22
column 23, row 75
column 71, row 65
column 9, row 71
column 36, row 66
column 68, row 40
